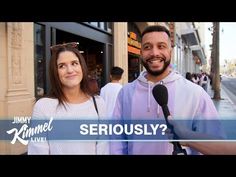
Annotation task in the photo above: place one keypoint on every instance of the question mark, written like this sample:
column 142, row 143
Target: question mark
column 164, row 127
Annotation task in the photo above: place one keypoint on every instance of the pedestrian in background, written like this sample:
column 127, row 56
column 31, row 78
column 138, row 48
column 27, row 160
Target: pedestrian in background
column 110, row 91
column 204, row 81
column 93, row 83
column 188, row 76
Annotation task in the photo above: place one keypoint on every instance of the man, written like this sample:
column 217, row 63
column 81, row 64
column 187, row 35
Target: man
column 110, row 91
column 186, row 99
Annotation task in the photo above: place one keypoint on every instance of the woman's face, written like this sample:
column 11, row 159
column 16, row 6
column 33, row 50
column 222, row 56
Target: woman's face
column 69, row 69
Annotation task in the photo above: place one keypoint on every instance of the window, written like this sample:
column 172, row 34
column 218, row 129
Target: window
column 40, row 77
column 104, row 26
column 94, row 23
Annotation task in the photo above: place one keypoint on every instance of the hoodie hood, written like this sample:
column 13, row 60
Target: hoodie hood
column 174, row 75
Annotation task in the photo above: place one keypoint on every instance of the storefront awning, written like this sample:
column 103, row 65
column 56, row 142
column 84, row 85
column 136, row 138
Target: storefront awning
column 133, row 50
column 190, row 36
column 198, row 51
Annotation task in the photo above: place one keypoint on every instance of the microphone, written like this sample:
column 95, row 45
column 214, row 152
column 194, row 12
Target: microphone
column 160, row 94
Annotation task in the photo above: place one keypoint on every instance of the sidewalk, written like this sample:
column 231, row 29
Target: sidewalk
column 225, row 106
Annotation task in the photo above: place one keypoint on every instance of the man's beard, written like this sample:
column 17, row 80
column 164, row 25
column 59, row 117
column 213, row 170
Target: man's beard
column 155, row 73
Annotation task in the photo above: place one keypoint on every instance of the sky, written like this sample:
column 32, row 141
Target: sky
column 227, row 41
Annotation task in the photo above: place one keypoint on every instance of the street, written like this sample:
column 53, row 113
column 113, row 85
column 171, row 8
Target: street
column 227, row 106
column 229, row 85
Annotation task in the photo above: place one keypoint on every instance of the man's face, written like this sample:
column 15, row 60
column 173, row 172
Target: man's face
column 156, row 52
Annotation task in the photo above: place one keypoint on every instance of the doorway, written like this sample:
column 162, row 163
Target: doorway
column 92, row 51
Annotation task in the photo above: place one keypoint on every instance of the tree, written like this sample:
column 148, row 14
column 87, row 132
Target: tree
column 216, row 83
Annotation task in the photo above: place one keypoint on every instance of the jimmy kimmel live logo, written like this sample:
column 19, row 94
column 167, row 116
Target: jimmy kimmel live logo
column 26, row 133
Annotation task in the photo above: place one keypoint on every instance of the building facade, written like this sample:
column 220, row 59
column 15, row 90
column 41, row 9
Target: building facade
column 189, row 55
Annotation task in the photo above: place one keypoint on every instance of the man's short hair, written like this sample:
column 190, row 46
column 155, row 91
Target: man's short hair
column 116, row 72
column 155, row 28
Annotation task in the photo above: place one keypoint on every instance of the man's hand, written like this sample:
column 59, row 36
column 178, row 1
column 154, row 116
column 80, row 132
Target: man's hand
column 184, row 133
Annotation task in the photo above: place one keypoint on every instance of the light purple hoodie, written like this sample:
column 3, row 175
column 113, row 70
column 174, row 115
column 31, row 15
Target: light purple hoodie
column 186, row 101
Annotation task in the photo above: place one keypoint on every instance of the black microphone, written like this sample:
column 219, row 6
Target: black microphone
column 160, row 94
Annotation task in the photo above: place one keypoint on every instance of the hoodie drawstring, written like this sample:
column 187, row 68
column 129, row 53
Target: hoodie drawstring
column 149, row 97
column 158, row 107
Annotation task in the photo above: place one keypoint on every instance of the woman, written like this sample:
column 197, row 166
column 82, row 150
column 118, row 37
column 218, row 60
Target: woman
column 69, row 98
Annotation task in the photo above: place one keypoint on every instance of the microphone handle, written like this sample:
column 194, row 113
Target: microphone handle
column 166, row 113
column 178, row 150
